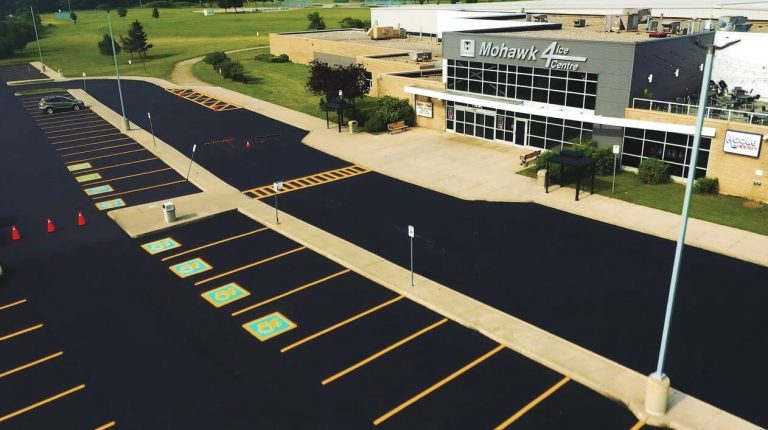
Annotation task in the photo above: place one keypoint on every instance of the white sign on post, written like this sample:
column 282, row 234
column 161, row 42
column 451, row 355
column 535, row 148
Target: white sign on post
column 616, row 149
column 411, row 231
column 277, row 186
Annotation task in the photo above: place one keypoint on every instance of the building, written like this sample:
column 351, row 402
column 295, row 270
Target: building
column 544, row 87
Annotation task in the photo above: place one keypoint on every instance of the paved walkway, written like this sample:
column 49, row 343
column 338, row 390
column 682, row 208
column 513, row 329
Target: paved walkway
column 182, row 71
column 479, row 170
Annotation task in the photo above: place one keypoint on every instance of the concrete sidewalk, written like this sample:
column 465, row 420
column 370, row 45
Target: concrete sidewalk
column 467, row 169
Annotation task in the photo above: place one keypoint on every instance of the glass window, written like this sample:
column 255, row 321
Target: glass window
column 575, row 86
column 462, row 63
column 476, row 74
column 674, row 153
column 557, row 84
column 591, row 88
column 541, row 82
column 571, row 134
column 592, row 77
column 475, row 65
column 634, row 132
column 460, row 127
column 577, row 75
column 461, row 85
column 629, row 160
column 527, row 70
column 469, row 129
column 489, row 121
column 449, row 125
column 677, row 139
column 558, row 74
column 459, row 115
column 675, row 169
column 538, row 142
column 536, row 128
column 653, row 149
column 491, row 76
column 524, row 80
column 632, row 146
column 575, row 100
column 557, row 98
column 654, row 135
column 589, row 102
column 554, row 132
column 523, row 93
column 475, row 86
column 511, row 78
column 539, row 95
column 489, row 89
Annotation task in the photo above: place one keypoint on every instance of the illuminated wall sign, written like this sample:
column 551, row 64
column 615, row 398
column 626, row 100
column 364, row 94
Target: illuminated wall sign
column 556, row 55
column 424, row 108
column 740, row 143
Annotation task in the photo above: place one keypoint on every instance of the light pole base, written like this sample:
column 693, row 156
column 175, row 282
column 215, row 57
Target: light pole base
column 656, row 395
column 42, row 67
column 126, row 125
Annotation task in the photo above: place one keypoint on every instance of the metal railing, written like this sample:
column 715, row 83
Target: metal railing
column 713, row 112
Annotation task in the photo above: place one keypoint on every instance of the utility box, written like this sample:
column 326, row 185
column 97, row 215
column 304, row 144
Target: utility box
column 379, row 33
column 352, row 127
column 169, row 212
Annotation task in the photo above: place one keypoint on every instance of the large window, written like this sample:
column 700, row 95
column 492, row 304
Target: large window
column 673, row 148
column 564, row 88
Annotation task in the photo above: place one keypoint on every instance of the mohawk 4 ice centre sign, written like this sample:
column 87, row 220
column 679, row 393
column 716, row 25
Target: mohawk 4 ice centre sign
column 556, row 55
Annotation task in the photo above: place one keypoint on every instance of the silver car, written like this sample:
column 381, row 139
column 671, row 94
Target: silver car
column 51, row 104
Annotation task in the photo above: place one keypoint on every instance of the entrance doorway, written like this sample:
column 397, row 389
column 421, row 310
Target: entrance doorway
column 521, row 132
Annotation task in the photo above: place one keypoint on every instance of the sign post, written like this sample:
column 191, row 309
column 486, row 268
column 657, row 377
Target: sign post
column 615, row 156
column 277, row 187
column 151, row 127
column 194, row 148
column 411, row 233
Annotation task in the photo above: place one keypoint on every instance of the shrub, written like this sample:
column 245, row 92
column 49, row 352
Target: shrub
column 215, row 58
column 350, row 22
column 184, row 4
column 706, row 186
column 233, row 70
column 388, row 110
column 269, row 58
column 602, row 156
column 162, row 4
column 653, row 171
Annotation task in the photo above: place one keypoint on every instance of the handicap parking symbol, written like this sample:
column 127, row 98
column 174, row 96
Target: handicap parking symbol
column 191, row 267
column 160, row 245
column 101, row 189
column 225, row 294
column 269, row 326
column 110, row 204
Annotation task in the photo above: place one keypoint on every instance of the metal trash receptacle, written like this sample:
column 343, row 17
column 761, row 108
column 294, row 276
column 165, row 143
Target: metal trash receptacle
column 352, row 127
column 169, row 212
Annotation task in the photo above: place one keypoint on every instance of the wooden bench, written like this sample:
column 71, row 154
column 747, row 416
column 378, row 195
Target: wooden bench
column 396, row 126
column 527, row 158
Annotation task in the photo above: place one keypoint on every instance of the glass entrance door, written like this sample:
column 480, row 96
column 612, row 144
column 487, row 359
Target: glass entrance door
column 521, row 132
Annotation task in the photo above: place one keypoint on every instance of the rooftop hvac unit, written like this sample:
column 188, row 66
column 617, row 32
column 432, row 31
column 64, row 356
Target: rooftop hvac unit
column 631, row 21
column 734, row 23
column 538, row 17
column 378, row 33
column 642, row 13
column 581, row 22
column 614, row 23
column 420, row 56
column 708, row 25
column 671, row 27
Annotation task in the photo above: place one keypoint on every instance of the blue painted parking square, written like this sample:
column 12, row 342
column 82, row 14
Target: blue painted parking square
column 269, row 326
column 110, row 204
column 160, row 245
column 101, row 189
column 190, row 267
column 225, row 294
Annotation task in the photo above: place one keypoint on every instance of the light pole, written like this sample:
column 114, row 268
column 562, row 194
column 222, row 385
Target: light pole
column 657, row 389
column 84, row 89
column 39, row 51
column 126, row 126
column 152, row 128
column 411, row 234
column 189, row 169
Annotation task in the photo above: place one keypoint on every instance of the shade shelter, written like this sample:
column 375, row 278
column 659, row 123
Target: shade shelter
column 579, row 162
column 338, row 106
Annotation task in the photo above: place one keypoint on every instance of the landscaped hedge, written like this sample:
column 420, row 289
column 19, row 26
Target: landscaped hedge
column 602, row 155
column 706, row 186
column 224, row 65
column 269, row 58
column 653, row 171
column 390, row 110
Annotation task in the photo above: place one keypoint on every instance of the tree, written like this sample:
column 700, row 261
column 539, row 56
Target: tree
column 136, row 42
column 122, row 12
column 73, row 17
column 316, row 22
column 224, row 4
column 326, row 81
column 155, row 13
column 105, row 46
column 236, row 4
column 350, row 22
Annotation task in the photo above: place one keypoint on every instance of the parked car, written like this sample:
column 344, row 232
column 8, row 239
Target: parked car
column 52, row 104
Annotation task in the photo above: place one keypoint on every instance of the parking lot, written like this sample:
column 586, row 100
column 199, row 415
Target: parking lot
column 19, row 72
column 356, row 353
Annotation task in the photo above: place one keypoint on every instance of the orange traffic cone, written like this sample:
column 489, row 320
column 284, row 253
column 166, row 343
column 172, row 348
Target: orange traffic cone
column 51, row 227
column 80, row 219
column 15, row 234
column 247, row 144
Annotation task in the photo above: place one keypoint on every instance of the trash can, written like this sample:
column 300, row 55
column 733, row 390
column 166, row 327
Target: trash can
column 169, row 212
column 352, row 127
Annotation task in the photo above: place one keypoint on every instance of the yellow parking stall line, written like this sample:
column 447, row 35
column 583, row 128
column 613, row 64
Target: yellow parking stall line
column 395, row 345
column 106, row 426
column 16, row 303
column 122, row 193
column 91, row 144
column 98, row 169
column 288, row 293
column 532, row 404
column 90, row 121
column 218, row 242
column 248, row 266
column 127, row 176
column 20, row 332
column 71, row 114
column 638, row 425
column 52, row 134
column 98, row 149
column 42, row 402
column 63, row 122
column 105, row 156
column 340, row 324
column 31, row 364
column 437, row 385
column 86, row 138
column 107, row 127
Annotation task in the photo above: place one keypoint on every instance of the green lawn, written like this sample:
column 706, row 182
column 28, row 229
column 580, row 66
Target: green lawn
column 725, row 210
column 263, row 80
column 178, row 34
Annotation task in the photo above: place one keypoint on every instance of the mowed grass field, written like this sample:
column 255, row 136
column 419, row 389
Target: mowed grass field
column 177, row 35
column 262, row 78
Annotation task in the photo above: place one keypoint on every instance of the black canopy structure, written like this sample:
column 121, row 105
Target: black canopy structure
column 338, row 106
column 572, row 159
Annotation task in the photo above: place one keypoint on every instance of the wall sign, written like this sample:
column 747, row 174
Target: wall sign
column 748, row 144
column 424, row 108
column 556, row 55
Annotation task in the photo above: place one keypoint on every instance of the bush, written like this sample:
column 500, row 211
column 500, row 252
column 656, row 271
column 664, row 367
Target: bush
column 653, row 171
column 269, row 58
column 706, row 186
column 184, row 4
column 162, row 4
column 215, row 58
column 388, row 110
column 233, row 70
column 602, row 156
